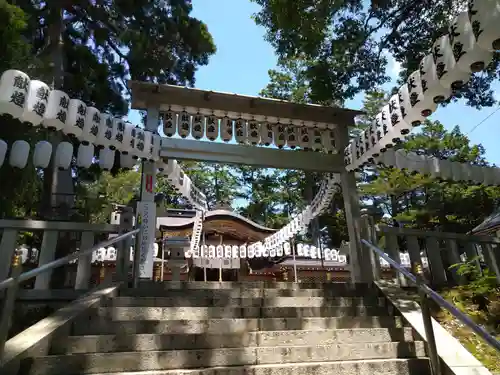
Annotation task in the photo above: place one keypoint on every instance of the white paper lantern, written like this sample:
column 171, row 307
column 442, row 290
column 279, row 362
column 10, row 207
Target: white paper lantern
column 36, row 103
column 467, row 173
column 449, row 76
column 391, row 135
column 402, row 161
column 387, row 159
column 156, row 147
column 266, row 134
column 107, row 131
column 42, row 154
column 485, row 18
column 328, row 141
column 240, row 131
column 212, row 127
column 316, row 143
column 14, row 86
column 75, row 121
column 489, row 176
column 469, row 56
column 184, row 124
column 360, row 157
column 3, row 151
column 169, row 123
column 445, row 167
column 417, row 163
column 477, row 174
column 127, row 161
column 431, row 85
column 279, row 135
column 56, row 113
column 349, row 155
column 63, row 156
column 140, row 145
column 253, row 132
column 119, row 136
column 305, row 138
column 410, row 115
column 198, row 129
column 367, row 145
column 375, row 138
column 292, row 139
column 106, row 158
column 226, row 129
column 19, row 154
column 85, row 155
column 425, row 106
column 398, row 124
column 91, row 127
column 128, row 139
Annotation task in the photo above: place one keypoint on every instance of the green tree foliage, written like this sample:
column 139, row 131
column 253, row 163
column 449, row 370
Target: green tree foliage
column 346, row 42
column 425, row 202
column 104, row 44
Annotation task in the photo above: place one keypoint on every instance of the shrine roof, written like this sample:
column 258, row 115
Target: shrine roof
column 172, row 222
column 216, row 221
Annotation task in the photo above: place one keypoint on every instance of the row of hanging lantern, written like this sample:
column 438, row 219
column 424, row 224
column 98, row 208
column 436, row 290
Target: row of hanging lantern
column 34, row 103
column 109, row 254
column 467, row 49
column 299, row 223
column 441, row 169
column 19, row 154
column 181, row 182
column 196, row 233
column 248, row 129
column 237, row 252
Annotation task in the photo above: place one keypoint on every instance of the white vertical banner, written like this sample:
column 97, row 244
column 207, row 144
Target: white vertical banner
column 146, row 211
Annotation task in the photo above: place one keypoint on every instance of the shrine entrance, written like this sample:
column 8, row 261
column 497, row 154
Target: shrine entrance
column 213, row 274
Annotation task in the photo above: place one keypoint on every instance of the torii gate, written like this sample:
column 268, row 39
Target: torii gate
column 301, row 125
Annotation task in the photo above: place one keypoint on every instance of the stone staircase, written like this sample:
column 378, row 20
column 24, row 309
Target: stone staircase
column 237, row 328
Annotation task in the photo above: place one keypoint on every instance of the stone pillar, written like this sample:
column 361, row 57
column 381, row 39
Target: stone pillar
column 359, row 270
column 146, row 210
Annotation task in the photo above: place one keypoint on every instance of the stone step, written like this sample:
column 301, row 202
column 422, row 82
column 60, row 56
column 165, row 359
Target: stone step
column 237, row 326
column 412, row 366
column 197, row 313
column 158, row 290
column 251, row 284
column 185, row 359
column 203, row 301
column 155, row 342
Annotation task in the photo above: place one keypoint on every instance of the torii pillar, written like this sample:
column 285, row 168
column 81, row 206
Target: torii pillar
column 360, row 269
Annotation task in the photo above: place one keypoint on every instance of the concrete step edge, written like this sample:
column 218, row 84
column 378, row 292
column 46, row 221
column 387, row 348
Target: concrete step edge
column 144, row 342
column 370, row 365
column 269, row 302
column 175, row 359
column 238, row 325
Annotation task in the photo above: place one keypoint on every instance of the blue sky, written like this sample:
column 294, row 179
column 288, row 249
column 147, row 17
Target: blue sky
column 243, row 59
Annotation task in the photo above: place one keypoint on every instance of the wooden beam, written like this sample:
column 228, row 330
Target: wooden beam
column 173, row 148
column 149, row 95
column 439, row 235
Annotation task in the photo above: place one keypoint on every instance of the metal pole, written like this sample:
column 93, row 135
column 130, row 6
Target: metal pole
column 220, row 261
column 9, row 302
column 294, row 262
column 162, row 259
column 203, row 260
column 429, row 331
